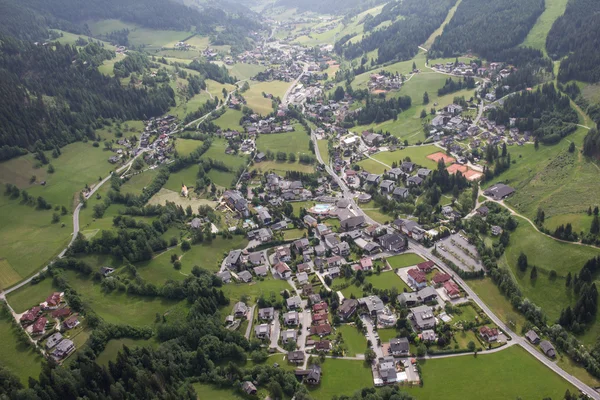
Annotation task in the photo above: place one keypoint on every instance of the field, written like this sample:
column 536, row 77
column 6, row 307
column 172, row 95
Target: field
column 21, row 360
column 342, row 377
column 404, row 260
column 283, row 167
column 185, row 107
column 108, row 25
column 354, row 340
column 165, row 195
column 537, row 35
column 120, row 308
column 490, row 374
column 138, row 182
column 206, row 255
column 185, row 146
column 115, row 345
column 107, row 67
column 290, row 142
column 206, row 391
column 385, row 280
column 417, row 154
column 254, row 290
column 230, row 120
column 30, row 295
column 257, row 102
column 324, row 150
column 244, row 71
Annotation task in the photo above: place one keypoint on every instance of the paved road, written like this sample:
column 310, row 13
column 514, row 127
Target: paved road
column 75, row 228
column 371, row 335
column 285, row 100
column 250, row 321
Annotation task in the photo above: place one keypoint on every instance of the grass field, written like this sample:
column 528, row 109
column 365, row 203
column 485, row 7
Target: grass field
column 19, row 359
column 385, row 280
column 137, row 183
column 115, row 345
column 107, row 67
column 104, row 26
column 120, row 308
column 341, row 377
column 490, row 375
column 290, row 142
column 439, row 30
column 417, row 154
column 206, row 391
column 324, row 150
column 256, row 101
column 354, row 339
column 537, row 35
column 165, row 195
column 245, row 71
column 266, row 288
column 230, row 120
column 30, row 295
column 185, row 107
column 404, row 260
column 185, row 146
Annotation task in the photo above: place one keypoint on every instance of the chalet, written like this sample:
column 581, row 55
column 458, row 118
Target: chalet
column 301, row 244
column 225, row 276
column 441, row 278
column 289, row 335
column 427, row 294
column 310, row 221
column 488, row 334
column 266, row 314
column 302, row 278
column 305, row 267
column 496, row 230
column 547, row 348
column 236, row 202
column 423, row 173
column 240, row 309
column 314, row 375
column 319, row 307
column 39, row 326
column 366, row 264
column 428, row 336
column 61, row 313
column 352, row 223
column 294, row 302
column 71, row 322
column 373, row 179
column 414, row 181
column 399, row 347
column 320, row 330
column 245, row 276
column 261, row 271
column 318, row 318
column 282, row 270
column 422, row 317
column 323, row 345
column 409, row 299
column 396, row 173
column 249, row 388
column 256, row 258
column 264, row 216
column 63, row 349
column 387, row 370
column 53, row 301
column 407, row 166
column 296, row 357
column 262, row 331
column 426, row 266
column 373, row 304
column 29, row 317
column 291, row 318
column 347, row 308
column 483, row 211
column 451, row 289
column 234, row 259
column 532, row 336
column 416, row 278
column 342, row 248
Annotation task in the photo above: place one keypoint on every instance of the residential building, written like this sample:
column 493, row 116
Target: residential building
column 387, row 370
column 289, row 335
column 451, row 289
column 261, row 271
column 296, row 357
column 400, row 193
column 488, row 334
column 392, row 242
column 240, row 309
column 427, row 294
column 399, row 347
column 39, row 326
column 291, row 318
column 416, row 278
column 282, row 270
column 532, row 336
column 426, row 266
column 347, row 308
column 266, row 314
column 234, row 259
column 245, row 276
column 294, row 302
column 428, row 335
column 249, row 388
column 387, row 187
column 373, row 303
column 441, row 278
column 53, row 340
column 499, row 191
column 321, row 330
column 262, row 331
column 63, row 349
column 422, row 317
column 548, row 348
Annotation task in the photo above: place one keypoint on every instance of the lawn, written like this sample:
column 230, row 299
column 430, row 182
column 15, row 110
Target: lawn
column 355, row 341
column 385, row 335
column 283, row 167
column 537, row 35
column 30, row 295
column 292, row 234
column 489, row 374
column 230, row 120
column 165, row 195
column 296, row 142
column 417, row 154
column 136, row 184
column 404, row 260
column 115, row 345
column 216, row 151
column 254, row 290
column 222, row 178
column 21, row 360
column 206, row 391
column 324, row 150
column 245, row 71
column 342, row 377
column 118, row 307
column 206, row 255
column 260, row 104
column 385, row 280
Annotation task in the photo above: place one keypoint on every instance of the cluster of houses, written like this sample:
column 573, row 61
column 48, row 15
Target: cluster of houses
column 53, row 315
column 384, row 82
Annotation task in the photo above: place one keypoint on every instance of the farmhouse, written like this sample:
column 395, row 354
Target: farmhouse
column 547, row 348
column 499, row 191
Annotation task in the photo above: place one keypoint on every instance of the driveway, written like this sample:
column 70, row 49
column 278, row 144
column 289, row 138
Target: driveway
column 368, row 322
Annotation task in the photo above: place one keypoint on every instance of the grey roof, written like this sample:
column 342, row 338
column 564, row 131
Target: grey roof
column 399, row 345
column 499, row 191
column 291, row 317
column 302, row 277
column 289, row 334
column 53, row 340
column 233, row 257
column 256, row 257
column 265, row 313
column 373, row 303
column 261, row 270
column 427, row 292
column 547, row 348
column 225, row 276
column 240, row 307
column 400, row 191
column 417, row 180
column 294, row 301
column 404, row 298
column 532, row 336
column 245, row 276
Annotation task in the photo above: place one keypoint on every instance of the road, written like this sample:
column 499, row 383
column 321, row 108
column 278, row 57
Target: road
column 250, row 321
column 75, row 227
column 368, row 323
column 285, row 100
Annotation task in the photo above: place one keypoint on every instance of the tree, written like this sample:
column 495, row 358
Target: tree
column 414, row 66
column 185, row 245
column 533, row 274
column 522, row 261
column 50, row 169
column 55, row 218
column 595, row 228
column 423, row 114
column 540, row 217
column 339, row 94
column 138, row 164
column 370, row 355
column 425, row 98
column 177, row 265
column 471, row 346
column 421, row 350
column 572, row 147
column 292, row 157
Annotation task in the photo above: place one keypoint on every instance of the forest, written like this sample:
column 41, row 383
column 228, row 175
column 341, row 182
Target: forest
column 451, row 86
column 336, row 7
column 487, row 27
column 30, row 75
column 576, row 35
column 376, row 111
column 545, row 111
column 400, row 40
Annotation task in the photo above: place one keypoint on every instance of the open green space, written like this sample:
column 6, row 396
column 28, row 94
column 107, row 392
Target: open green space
column 281, row 167
column 342, row 377
column 230, row 120
column 324, row 150
column 289, row 142
column 185, row 107
column 245, row 71
column 30, row 295
column 417, row 154
column 138, row 182
column 20, row 359
column 385, row 335
column 385, row 280
column 114, row 346
column 206, row 391
column 404, row 260
column 255, row 99
column 354, row 340
column 254, row 290
column 536, row 37
column 526, row 378
column 292, row 234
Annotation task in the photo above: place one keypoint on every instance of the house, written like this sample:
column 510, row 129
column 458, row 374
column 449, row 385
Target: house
column 314, row 298
column 234, row 259
column 483, row 211
column 335, row 261
column 342, row 248
column 532, row 337
column 310, row 221
column 395, row 173
column 61, row 313
column 426, row 266
column 400, row 193
column 296, row 357
column 409, row 299
column 423, row 173
column 320, row 250
column 291, row 318
column 245, row 276
column 323, row 345
column 240, row 309
column 547, row 348
column 387, row 187
column 302, row 278
column 414, row 181
column 30, row 316
column 283, row 271
column 347, row 308
column 320, row 307
column 305, row 267
column 399, row 347
column 236, row 202
column 352, row 223
column 293, row 302
column 407, row 166
column 488, row 334
column 53, row 340
column 320, row 330
column 266, row 314
column 499, row 191
column 106, row 271
column 318, row 318
column 263, row 235
column 428, row 335
column 366, row 264
column 53, row 301
column 372, row 139
column 423, row 317
column 260, row 157
column 392, row 242
column 262, row 331
column 63, row 349
column 373, row 303
column 427, row 294
column 441, row 278
column 416, row 278
column 301, row 244
column 496, row 230
column 39, row 326
column 249, row 388
column 373, row 179
column 289, row 335
column 283, row 254
column 71, row 322
column 387, row 370
column 261, row 271
column 314, row 375
column 451, row 289
column 225, row 276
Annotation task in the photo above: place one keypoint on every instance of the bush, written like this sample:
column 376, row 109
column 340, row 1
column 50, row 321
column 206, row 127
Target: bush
column 185, row 245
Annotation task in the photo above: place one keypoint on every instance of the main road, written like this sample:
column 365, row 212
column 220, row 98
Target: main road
column 423, row 251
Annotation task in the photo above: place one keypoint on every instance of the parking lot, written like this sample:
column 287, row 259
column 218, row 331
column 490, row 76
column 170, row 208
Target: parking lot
column 458, row 250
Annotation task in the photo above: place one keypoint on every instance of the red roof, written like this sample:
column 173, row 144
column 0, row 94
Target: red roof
column 319, row 306
column 61, row 313
column 366, row 263
column 319, row 317
column 282, row 267
column 488, row 332
column 323, row 345
column 441, row 278
column 417, row 275
column 320, row 329
column 30, row 315
column 40, row 325
column 53, row 299
column 451, row 288
column 426, row 266
column 71, row 321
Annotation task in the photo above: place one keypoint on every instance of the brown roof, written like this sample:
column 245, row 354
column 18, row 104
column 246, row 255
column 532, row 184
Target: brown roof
column 441, row 278
column 40, row 325
column 426, row 266
column 320, row 329
column 417, row 275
